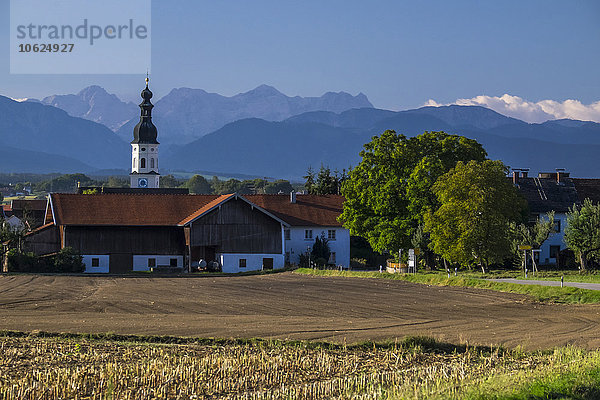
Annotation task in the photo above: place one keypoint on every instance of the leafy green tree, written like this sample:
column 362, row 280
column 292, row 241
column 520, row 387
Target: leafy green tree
column 477, row 205
column 65, row 183
column 532, row 235
column 117, row 182
column 582, row 234
column 389, row 191
column 197, row 184
column 169, row 181
column 277, row 186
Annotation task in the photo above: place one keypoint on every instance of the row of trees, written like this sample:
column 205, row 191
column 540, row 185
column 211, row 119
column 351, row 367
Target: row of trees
column 325, row 181
column 197, row 184
column 439, row 192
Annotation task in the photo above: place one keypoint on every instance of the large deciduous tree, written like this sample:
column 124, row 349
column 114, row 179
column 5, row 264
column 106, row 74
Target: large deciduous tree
column 582, row 234
column 389, row 191
column 477, row 205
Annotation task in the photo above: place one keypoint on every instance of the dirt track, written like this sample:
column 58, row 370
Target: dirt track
column 289, row 306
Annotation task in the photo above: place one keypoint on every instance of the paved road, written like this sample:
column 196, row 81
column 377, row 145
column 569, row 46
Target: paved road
column 581, row 285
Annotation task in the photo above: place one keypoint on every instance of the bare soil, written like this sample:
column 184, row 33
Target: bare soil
column 289, row 306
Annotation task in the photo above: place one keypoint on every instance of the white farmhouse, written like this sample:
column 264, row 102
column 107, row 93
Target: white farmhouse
column 309, row 216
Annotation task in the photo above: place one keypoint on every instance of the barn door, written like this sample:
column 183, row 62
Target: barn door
column 120, row 263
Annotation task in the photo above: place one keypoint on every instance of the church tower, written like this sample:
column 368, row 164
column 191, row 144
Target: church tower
column 144, row 147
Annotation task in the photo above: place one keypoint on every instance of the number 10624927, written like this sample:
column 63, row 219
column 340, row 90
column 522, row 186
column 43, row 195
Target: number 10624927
column 46, row 48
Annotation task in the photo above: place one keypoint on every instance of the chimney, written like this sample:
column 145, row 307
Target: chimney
column 515, row 174
column 293, row 197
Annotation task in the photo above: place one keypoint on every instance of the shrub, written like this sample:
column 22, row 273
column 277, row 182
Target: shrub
column 22, row 262
column 67, row 260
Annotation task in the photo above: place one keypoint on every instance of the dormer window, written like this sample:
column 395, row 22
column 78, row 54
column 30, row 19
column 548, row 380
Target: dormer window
column 142, row 163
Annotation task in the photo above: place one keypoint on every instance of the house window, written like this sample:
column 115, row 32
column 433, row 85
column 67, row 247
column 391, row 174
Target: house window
column 151, row 262
column 331, row 234
column 308, row 234
column 173, row 262
column 557, row 225
column 554, row 250
column 152, row 163
column 242, row 263
column 142, row 163
column 286, row 234
column 134, row 160
column 95, row 262
column 332, row 258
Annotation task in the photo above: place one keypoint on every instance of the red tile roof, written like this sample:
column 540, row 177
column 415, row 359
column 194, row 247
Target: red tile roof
column 309, row 210
column 22, row 204
column 206, row 208
column 125, row 209
column 587, row 189
column 176, row 209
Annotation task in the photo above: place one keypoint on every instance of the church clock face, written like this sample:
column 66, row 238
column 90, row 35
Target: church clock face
column 143, row 182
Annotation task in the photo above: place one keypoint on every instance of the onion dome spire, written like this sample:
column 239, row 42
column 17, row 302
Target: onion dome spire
column 145, row 131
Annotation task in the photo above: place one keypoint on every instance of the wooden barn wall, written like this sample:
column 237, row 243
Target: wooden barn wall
column 125, row 240
column 237, row 228
column 46, row 241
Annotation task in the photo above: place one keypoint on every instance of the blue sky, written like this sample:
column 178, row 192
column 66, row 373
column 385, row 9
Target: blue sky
column 399, row 53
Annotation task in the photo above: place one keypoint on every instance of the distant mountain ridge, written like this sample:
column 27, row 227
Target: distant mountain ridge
column 259, row 147
column 94, row 104
column 33, row 135
column 37, row 137
column 185, row 115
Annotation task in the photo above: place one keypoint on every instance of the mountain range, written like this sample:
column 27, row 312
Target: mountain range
column 312, row 139
column 266, row 133
column 185, row 115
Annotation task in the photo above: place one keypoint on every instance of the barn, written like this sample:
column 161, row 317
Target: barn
column 126, row 232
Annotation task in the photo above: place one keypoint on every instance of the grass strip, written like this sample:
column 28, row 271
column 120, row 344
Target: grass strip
column 553, row 294
column 568, row 373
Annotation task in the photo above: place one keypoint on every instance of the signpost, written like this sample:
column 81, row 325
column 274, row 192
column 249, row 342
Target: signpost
column 412, row 261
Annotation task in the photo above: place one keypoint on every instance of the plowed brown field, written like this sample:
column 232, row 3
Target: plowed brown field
column 289, row 306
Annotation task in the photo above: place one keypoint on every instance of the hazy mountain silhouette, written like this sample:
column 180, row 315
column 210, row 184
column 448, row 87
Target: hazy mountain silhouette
column 261, row 147
column 35, row 127
column 185, row 115
column 36, row 137
column 95, row 104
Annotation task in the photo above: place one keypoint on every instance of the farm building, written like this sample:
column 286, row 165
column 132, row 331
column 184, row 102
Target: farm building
column 29, row 212
column 558, row 192
column 125, row 232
